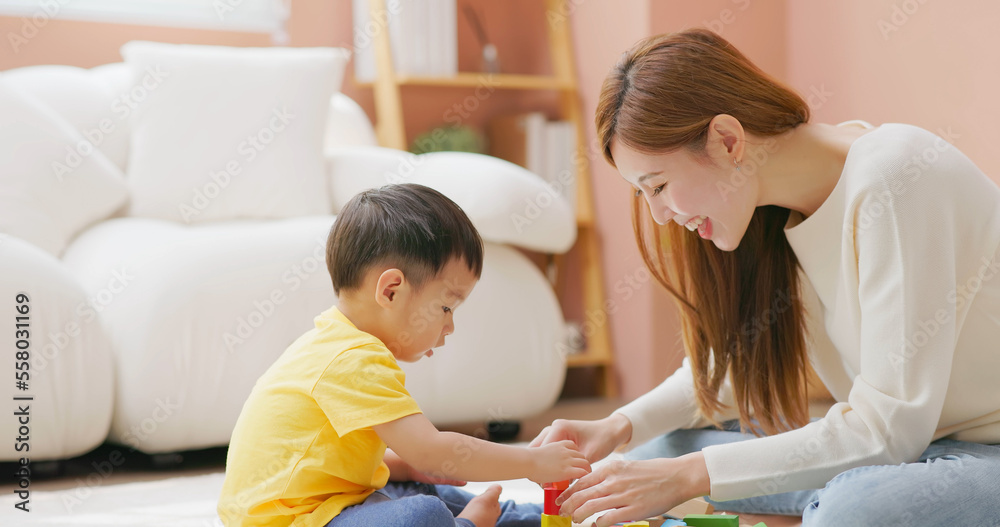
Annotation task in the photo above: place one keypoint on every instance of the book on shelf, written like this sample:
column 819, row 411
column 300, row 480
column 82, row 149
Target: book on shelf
column 423, row 36
column 544, row 147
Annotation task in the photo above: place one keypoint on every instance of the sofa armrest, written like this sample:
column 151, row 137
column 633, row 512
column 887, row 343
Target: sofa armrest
column 507, row 203
column 347, row 125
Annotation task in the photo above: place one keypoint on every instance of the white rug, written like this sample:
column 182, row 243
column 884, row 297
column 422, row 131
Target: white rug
column 177, row 502
column 174, row 502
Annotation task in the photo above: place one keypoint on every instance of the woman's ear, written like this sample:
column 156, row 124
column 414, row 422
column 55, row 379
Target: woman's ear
column 726, row 139
column 388, row 287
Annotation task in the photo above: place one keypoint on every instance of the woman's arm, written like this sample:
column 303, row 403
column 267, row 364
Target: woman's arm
column 665, row 408
column 670, row 406
column 451, row 455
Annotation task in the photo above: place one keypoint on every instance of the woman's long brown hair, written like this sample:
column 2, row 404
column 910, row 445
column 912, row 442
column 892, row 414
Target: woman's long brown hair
column 741, row 313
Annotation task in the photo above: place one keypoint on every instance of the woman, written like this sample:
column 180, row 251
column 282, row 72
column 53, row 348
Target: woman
column 895, row 233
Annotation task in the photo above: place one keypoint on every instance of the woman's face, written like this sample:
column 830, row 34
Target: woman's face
column 685, row 188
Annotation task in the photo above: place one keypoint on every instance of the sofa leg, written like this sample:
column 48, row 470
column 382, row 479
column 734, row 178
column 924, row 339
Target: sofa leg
column 503, row 431
column 166, row 461
column 48, row 469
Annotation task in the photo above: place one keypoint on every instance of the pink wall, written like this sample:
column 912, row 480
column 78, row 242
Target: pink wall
column 601, row 31
column 932, row 64
column 937, row 70
column 756, row 27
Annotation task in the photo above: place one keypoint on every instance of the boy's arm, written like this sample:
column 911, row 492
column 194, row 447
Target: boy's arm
column 400, row 470
column 452, row 455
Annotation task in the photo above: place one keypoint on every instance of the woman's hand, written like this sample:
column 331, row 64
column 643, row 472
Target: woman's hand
column 400, row 470
column 636, row 489
column 596, row 439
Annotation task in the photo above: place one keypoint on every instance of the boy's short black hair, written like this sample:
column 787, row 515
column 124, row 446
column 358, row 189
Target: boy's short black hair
column 411, row 227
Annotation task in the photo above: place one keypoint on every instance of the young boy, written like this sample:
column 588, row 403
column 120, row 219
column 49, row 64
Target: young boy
column 309, row 448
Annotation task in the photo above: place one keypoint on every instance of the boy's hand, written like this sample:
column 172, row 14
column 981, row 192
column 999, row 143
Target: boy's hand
column 400, row 470
column 558, row 461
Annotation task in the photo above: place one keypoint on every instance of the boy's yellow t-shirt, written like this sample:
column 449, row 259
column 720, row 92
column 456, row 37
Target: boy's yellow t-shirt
column 303, row 448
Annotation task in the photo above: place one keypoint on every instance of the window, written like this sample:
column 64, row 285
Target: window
column 262, row 16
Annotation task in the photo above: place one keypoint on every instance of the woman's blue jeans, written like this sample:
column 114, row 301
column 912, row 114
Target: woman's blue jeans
column 410, row 504
column 953, row 483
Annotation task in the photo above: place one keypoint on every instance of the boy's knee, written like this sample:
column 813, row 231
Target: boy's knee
column 429, row 511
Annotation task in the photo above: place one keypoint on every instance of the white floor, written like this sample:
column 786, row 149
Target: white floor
column 175, row 502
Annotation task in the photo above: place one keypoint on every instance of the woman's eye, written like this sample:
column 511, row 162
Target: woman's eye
column 658, row 189
column 446, row 309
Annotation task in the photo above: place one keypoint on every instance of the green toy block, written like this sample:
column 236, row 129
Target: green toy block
column 712, row 520
column 761, row 524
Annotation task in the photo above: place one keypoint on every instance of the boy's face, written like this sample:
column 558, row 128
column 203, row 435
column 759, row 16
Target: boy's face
column 426, row 317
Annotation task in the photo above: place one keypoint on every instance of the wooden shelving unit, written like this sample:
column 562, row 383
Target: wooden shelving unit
column 472, row 80
column 390, row 132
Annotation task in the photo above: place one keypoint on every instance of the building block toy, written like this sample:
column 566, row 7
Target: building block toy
column 712, row 520
column 695, row 506
column 556, row 521
column 761, row 524
column 634, row 524
column 673, row 523
column 550, row 512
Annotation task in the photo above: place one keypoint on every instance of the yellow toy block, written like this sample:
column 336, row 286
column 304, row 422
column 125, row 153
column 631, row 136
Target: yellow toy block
column 549, row 520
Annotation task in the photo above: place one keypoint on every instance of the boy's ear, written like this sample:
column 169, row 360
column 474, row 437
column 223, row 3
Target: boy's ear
column 390, row 283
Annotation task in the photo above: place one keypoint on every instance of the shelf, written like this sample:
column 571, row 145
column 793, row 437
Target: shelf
column 391, row 133
column 584, row 221
column 589, row 358
column 473, row 80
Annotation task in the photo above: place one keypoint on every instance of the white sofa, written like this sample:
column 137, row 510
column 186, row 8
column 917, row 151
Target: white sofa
column 151, row 333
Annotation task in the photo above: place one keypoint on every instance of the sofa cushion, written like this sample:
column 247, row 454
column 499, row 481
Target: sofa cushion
column 196, row 314
column 92, row 100
column 507, row 203
column 225, row 133
column 356, row 169
column 53, row 182
column 347, row 125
